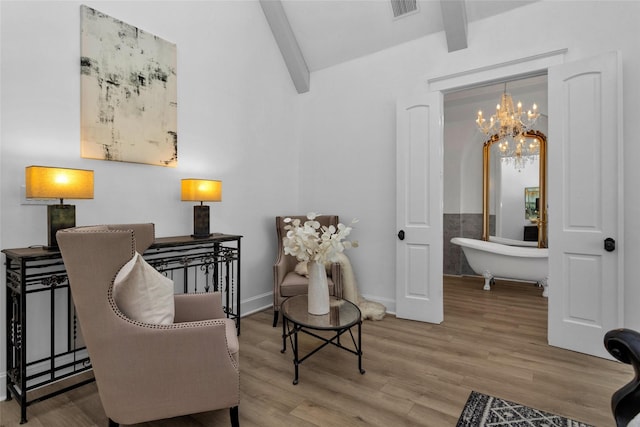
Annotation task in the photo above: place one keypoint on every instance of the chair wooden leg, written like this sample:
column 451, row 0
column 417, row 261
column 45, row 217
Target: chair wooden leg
column 113, row 423
column 275, row 318
column 235, row 420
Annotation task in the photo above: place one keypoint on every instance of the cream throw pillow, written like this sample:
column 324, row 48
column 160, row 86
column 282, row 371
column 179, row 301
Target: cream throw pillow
column 144, row 294
column 302, row 269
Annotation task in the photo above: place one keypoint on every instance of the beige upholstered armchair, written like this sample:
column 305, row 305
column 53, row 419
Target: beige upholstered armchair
column 148, row 371
column 286, row 282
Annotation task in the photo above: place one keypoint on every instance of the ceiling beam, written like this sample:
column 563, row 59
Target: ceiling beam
column 286, row 40
column 454, row 18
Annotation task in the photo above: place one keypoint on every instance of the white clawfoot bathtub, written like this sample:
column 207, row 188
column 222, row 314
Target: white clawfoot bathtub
column 507, row 262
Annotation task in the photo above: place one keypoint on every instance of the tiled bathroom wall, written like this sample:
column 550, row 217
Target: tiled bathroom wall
column 461, row 225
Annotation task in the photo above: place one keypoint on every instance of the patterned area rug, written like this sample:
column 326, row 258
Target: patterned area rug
column 487, row 411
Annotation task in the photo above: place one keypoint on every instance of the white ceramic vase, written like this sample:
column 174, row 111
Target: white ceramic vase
column 318, row 292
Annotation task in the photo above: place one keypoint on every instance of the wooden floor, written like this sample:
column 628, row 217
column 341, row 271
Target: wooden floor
column 417, row 374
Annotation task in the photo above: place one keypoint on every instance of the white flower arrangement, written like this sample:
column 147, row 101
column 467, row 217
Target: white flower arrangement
column 312, row 242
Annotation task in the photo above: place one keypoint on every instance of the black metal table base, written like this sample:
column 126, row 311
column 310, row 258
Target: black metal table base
column 292, row 334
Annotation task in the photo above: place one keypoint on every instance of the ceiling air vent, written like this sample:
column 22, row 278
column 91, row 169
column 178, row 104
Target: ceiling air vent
column 403, row 7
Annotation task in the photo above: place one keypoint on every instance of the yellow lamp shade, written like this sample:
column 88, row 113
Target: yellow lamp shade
column 44, row 182
column 201, row 190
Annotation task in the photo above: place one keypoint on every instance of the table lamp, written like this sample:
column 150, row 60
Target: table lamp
column 44, row 182
column 201, row 190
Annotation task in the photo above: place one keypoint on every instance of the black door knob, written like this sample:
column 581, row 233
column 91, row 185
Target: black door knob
column 401, row 234
column 609, row 244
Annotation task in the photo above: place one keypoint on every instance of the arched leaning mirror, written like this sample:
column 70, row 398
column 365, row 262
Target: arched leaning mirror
column 514, row 191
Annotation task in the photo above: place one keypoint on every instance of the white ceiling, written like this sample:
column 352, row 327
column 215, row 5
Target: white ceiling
column 330, row 32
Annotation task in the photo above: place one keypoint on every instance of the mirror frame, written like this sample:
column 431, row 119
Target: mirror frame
column 542, row 178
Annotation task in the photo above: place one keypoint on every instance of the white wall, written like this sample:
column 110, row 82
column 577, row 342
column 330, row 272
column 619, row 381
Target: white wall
column 462, row 186
column 236, row 109
column 348, row 118
column 511, row 219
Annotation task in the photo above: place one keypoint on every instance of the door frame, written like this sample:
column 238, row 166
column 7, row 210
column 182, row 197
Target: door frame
column 516, row 69
column 496, row 73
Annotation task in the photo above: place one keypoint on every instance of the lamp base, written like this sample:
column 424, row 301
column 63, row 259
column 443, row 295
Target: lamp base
column 59, row 217
column 201, row 222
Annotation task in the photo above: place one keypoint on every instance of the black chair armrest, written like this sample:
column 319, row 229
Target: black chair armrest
column 624, row 345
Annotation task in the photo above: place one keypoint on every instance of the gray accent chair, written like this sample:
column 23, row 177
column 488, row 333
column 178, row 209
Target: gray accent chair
column 143, row 371
column 286, row 282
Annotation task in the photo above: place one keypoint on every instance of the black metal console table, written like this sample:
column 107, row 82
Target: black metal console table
column 37, row 274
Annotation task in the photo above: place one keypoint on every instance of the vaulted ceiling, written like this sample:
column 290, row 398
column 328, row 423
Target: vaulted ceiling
column 316, row 34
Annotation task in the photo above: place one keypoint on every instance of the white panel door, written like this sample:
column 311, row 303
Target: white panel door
column 419, row 208
column 585, row 182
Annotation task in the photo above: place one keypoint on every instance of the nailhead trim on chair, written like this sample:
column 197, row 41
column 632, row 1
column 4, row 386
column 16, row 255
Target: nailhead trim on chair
column 121, row 315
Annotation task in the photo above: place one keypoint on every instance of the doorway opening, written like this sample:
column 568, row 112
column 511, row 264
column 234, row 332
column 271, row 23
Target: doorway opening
column 463, row 192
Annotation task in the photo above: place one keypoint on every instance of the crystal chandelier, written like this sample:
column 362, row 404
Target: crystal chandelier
column 520, row 153
column 509, row 123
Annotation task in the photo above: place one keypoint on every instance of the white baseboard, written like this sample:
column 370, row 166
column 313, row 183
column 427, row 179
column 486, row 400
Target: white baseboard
column 265, row 301
column 39, row 368
column 3, row 385
column 256, row 304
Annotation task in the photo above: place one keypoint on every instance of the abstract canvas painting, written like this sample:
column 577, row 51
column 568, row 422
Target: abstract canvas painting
column 129, row 93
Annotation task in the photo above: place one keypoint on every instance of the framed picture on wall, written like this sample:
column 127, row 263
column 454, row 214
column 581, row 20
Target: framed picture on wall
column 128, row 93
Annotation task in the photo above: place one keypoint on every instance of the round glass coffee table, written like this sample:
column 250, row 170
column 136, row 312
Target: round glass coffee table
column 342, row 316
